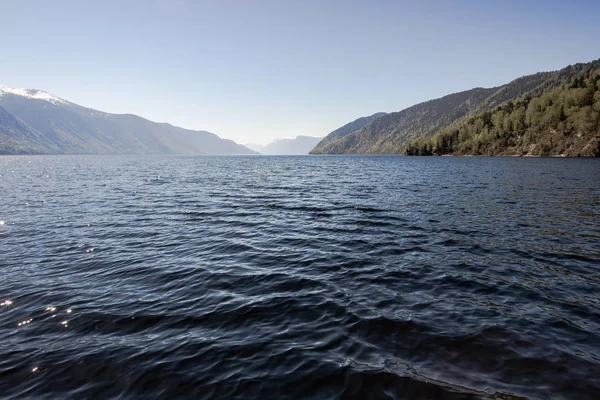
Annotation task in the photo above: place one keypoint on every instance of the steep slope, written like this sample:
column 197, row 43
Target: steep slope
column 391, row 133
column 560, row 118
column 68, row 128
column 16, row 137
column 300, row 145
column 344, row 131
column 58, row 124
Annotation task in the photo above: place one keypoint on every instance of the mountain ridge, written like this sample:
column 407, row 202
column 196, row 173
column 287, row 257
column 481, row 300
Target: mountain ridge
column 391, row 134
column 63, row 127
column 561, row 117
column 344, row 131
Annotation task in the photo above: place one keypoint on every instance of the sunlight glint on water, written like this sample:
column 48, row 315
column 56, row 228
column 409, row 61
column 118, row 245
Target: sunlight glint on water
column 317, row 277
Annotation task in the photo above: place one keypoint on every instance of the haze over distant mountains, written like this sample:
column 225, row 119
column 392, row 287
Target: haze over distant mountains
column 36, row 122
column 548, row 113
column 300, row 145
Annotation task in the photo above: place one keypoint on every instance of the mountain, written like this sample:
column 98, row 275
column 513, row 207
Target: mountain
column 56, row 126
column 561, row 118
column 16, row 137
column 345, row 130
column 300, row 145
column 391, row 133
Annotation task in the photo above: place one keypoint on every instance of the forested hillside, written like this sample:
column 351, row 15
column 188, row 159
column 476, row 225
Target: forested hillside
column 560, row 118
column 345, row 130
column 394, row 133
column 390, row 133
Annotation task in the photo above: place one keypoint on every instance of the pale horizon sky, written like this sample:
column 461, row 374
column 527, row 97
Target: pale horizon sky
column 253, row 71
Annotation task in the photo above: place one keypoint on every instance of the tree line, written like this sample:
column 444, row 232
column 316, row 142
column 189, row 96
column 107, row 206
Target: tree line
column 561, row 120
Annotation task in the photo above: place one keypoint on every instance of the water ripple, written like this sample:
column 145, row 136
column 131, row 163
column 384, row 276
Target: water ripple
column 299, row 277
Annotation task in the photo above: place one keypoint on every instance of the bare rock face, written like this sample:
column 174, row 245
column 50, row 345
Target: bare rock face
column 592, row 149
column 531, row 150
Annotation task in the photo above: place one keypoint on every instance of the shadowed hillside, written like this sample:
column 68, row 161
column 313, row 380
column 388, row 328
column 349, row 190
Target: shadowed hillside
column 33, row 121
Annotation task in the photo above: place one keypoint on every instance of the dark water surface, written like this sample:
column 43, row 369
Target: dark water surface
column 299, row 277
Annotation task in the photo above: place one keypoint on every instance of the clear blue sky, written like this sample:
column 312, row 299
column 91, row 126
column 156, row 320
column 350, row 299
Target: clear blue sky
column 256, row 70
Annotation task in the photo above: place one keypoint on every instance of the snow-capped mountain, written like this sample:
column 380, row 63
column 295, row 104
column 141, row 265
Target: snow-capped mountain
column 35, row 121
column 35, row 94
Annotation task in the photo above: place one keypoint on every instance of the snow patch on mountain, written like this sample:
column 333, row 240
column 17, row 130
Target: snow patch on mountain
column 35, row 94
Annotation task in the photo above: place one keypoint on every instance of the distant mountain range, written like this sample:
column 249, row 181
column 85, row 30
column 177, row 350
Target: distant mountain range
column 255, row 147
column 393, row 133
column 36, row 122
column 548, row 113
column 300, row 145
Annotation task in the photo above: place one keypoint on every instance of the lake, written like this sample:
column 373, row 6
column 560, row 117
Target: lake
column 299, row 277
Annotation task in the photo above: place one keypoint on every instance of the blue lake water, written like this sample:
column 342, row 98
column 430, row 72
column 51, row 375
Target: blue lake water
column 299, row 277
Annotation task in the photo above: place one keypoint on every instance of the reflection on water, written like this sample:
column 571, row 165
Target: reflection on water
column 304, row 277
